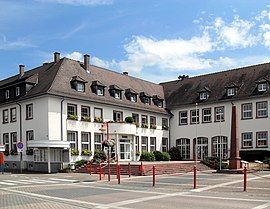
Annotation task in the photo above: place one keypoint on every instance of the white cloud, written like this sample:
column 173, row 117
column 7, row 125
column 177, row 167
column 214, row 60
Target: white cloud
column 5, row 44
column 75, row 56
column 79, row 2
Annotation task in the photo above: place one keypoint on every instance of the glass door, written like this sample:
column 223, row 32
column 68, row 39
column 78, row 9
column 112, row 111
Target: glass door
column 125, row 149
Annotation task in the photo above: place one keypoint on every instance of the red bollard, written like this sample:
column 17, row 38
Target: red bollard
column 119, row 173
column 154, row 175
column 90, row 168
column 245, row 179
column 141, row 169
column 129, row 170
column 100, row 172
column 195, row 177
column 109, row 171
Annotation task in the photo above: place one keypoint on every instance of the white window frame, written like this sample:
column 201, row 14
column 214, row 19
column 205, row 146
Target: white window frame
column 98, row 138
column 117, row 116
column 247, row 110
column 230, row 92
column 133, row 98
column 260, row 139
column 195, row 116
column 40, row 155
column 80, row 87
column 100, row 91
column 165, row 144
column 13, row 114
column 153, row 142
column 220, row 142
column 182, row 118
column 247, row 138
column 260, row 108
column 144, row 145
column 144, row 118
column 5, row 116
column 117, row 94
column 86, row 142
column 29, row 111
column 183, row 144
column 14, row 140
column 220, row 114
column 72, row 138
column 6, row 141
column 203, row 95
column 262, row 87
column 18, row 91
column 206, row 116
column 7, row 94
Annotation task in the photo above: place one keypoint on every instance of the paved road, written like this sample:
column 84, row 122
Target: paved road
column 171, row 191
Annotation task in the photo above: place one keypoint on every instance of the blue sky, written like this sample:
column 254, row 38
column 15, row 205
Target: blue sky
column 154, row 40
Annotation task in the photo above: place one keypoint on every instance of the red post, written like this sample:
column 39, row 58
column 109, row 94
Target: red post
column 109, row 171
column 154, row 175
column 119, row 173
column 141, row 169
column 129, row 170
column 195, row 177
column 116, row 156
column 90, row 168
column 245, row 179
column 100, row 171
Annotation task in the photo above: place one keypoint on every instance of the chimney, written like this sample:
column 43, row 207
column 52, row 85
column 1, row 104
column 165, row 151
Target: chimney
column 86, row 62
column 125, row 73
column 56, row 57
column 21, row 70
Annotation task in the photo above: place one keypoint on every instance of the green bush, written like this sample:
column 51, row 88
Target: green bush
column 214, row 162
column 147, row 156
column 99, row 156
column 129, row 119
column 158, row 155
column 166, row 156
column 80, row 163
column 175, row 154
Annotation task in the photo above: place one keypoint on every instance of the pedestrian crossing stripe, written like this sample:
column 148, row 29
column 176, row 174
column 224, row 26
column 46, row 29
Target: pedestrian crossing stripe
column 34, row 181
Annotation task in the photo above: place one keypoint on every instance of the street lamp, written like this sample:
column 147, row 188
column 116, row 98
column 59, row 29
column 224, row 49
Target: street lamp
column 220, row 142
column 196, row 133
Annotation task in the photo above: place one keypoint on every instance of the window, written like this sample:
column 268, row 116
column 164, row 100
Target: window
column 220, row 146
column 41, row 155
column 98, row 141
column 7, row 94
column 5, row 116
column 137, row 144
column 80, row 87
column 100, row 91
column 29, row 111
column 133, row 97
column 230, row 92
column 262, row 110
column 158, row 102
column 29, row 137
column 262, row 87
column 152, row 144
column 153, row 122
column 13, row 137
column 85, row 113
column 247, row 140
column 17, row 91
column 262, row 138
column 6, row 141
column 144, row 143
column 85, row 140
column 194, row 118
column 146, row 100
column 165, row 145
column 136, row 119
column 117, row 116
column 183, row 118
column 165, row 124
column 247, row 111
column 203, row 95
column 144, row 121
column 183, row 145
column 219, row 114
column 117, row 94
column 13, row 114
column 72, row 137
column 206, row 115
column 97, row 112
column 72, row 110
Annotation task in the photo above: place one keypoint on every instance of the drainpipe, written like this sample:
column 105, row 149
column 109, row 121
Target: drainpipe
column 20, row 107
column 61, row 121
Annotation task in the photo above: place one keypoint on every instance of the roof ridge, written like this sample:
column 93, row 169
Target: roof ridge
column 61, row 60
column 218, row 72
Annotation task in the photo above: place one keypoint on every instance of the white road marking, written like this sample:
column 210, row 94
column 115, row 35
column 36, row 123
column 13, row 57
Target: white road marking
column 17, row 182
column 262, row 206
column 65, row 180
column 6, row 183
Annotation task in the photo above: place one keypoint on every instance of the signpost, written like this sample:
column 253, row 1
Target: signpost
column 20, row 150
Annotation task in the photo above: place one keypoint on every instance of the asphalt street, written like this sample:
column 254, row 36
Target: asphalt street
column 171, row 191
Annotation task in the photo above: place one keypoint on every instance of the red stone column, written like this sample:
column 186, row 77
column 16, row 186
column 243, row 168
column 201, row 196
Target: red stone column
column 235, row 160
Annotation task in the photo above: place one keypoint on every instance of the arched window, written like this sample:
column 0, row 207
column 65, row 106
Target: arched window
column 202, row 148
column 220, row 146
column 183, row 145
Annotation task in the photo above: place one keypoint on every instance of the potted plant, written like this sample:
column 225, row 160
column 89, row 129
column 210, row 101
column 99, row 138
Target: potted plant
column 98, row 120
column 72, row 117
column 86, row 118
column 153, row 126
column 144, row 126
column 13, row 152
column 74, row 152
column 86, row 152
column 129, row 119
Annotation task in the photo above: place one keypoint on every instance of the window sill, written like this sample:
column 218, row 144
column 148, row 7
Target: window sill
column 246, row 118
column 261, row 117
column 28, row 118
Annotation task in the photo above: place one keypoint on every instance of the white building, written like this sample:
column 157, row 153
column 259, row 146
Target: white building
column 61, row 111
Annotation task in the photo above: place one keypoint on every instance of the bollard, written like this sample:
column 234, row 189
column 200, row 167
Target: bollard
column 141, row 168
column 129, row 170
column 154, row 175
column 90, row 168
column 119, row 173
column 100, row 172
column 245, row 179
column 109, row 171
column 195, row 177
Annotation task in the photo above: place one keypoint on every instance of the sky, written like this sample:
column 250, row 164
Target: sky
column 156, row 40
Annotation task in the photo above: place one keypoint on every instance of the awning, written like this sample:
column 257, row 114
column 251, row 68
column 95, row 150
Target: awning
column 48, row 144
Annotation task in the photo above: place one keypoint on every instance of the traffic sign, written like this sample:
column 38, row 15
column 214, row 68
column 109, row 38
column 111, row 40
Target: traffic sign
column 20, row 146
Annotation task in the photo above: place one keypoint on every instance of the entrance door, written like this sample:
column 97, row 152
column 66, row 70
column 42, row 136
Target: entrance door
column 202, row 148
column 125, row 149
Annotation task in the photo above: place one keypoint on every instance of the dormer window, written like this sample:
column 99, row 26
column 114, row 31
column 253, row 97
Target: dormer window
column 131, row 95
column 262, row 87
column 203, row 95
column 78, row 84
column 230, row 92
column 116, row 91
column 17, row 91
column 7, row 94
column 145, row 98
column 98, row 88
column 158, row 101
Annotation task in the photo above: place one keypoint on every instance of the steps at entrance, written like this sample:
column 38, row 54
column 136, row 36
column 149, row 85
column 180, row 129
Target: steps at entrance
column 135, row 168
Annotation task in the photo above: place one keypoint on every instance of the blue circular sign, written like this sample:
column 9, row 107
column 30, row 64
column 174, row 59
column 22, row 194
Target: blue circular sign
column 20, row 145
